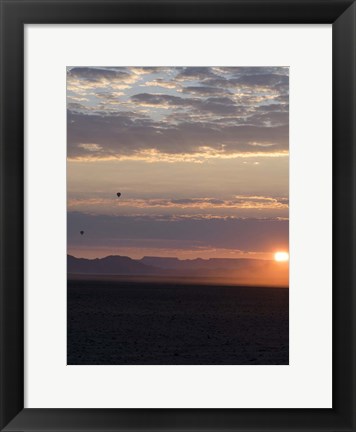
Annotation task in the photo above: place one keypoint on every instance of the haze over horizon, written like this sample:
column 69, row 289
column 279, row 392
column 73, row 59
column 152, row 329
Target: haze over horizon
column 199, row 154
column 240, row 271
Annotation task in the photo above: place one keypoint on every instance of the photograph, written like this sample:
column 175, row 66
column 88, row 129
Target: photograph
column 177, row 215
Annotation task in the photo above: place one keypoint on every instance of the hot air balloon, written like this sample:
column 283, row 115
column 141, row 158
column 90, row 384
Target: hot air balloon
column 81, row 232
column 118, row 194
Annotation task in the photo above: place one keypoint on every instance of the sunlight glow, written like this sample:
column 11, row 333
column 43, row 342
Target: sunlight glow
column 281, row 256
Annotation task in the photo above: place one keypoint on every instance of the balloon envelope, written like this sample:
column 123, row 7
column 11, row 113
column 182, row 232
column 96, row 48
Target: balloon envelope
column 119, row 194
column 81, row 232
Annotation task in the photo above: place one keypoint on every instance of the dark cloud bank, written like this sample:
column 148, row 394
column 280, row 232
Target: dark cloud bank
column 258, row 235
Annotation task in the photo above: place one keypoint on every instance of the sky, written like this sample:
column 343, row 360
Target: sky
column 199, row 154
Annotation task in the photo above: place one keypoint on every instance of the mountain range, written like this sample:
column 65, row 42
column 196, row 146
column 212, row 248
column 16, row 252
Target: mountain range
column 242, row 269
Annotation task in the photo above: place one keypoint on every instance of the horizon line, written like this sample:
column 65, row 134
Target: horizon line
column 170, row 257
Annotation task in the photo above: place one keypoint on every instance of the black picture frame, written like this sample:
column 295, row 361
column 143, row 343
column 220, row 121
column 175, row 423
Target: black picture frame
column 14, row 15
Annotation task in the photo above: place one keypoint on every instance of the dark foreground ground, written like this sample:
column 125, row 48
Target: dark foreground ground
column 141, row 323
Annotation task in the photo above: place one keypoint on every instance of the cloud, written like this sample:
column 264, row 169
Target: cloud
column 84, row 80
column 195, row 74
column 181, row 205
column 200, row 113
column 261, row 80
column 251, row 70
column 76, row 106
column 158, row 82
column 265, row 235
column 272, row 84
column 96, row 75
column 205, row 90
column 217, row 105
column 129, row 134
column 161, row 100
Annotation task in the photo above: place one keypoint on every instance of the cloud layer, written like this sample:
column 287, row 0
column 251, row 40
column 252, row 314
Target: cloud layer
column 196, row 112
column 166, row 232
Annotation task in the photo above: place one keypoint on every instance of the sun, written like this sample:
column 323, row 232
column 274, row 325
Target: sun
column 281, row 256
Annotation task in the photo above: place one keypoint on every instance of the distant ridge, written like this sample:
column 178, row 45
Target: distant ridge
column 240, row 269
column 199, row 263
column 113, row 264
